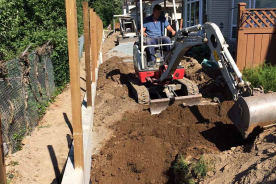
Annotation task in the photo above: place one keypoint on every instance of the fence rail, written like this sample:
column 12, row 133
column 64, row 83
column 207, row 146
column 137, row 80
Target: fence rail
column 256, row 36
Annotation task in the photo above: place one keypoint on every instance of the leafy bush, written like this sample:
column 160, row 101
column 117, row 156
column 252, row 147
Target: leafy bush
column 186, row 173
column 34, row 22
column 263, row 75
column 200, row 168
column 106, row 9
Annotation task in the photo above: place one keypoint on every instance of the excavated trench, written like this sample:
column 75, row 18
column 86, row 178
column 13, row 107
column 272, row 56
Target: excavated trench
column 143, row 146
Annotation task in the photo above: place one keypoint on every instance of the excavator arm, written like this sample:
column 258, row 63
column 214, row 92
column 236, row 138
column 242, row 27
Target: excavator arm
column 219, row 48
column 249, row 111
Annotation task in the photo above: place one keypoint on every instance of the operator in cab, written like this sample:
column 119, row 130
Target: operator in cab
column 154, row 29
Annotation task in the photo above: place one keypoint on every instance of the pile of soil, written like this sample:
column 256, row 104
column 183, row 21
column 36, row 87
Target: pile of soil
column 143, row 146
column 112, row 90
column 210, row 81
column 255, row 163
column 112, row 99
column 136, row 147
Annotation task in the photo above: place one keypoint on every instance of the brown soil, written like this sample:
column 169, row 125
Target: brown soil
column 255, row 163
column 210, row 82
column 112, row 99
column 142, row 142
column 135, row 147
column 131, row 146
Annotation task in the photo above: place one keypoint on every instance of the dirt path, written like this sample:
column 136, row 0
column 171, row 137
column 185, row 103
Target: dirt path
column 44, row 154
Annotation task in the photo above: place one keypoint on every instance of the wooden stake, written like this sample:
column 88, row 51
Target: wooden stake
column 72, row 34
column 87, row 52
column 3, row 178
column 93, row 41
column 97, row 37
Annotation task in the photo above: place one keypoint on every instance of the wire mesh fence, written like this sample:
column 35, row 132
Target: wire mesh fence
column 25, row 84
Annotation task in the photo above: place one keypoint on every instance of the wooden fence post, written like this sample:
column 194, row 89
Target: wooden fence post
column 87, row 52
column 93, row 42
column 241, row 45
column 3, row 178
column 72, row 34
column 97, row 33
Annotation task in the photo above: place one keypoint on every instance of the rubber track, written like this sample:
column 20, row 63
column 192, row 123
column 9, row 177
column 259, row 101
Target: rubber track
column 140, row 91
column 192, row 87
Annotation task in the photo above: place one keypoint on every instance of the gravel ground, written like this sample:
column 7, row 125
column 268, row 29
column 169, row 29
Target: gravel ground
column 123, row 50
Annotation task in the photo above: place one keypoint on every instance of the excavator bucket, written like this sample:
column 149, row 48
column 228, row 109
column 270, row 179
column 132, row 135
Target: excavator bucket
column 158, row 105
column 254, row 111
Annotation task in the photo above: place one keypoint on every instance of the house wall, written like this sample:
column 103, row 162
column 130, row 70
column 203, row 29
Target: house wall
column 220, row 12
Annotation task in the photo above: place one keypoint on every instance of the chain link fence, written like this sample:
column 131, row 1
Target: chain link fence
column 26, row 84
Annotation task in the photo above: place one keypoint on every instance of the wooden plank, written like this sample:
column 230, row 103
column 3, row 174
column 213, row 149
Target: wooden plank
column 257, row 49
column 265, row 45
column 87, row 52
column 261, row 9
column 260, row 30
column 72, row 34
column 97, row 33
column 3, row 178
column 93, row 42
column 249, row 51
column 241, row 50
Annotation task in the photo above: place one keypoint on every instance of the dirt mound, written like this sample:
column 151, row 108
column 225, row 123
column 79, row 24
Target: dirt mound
column 143, row 147
column 255, row 163
column 210, row 82
column 112, row 99
column 112, row 90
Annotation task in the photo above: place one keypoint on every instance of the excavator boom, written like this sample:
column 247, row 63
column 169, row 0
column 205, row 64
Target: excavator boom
column 249, row 111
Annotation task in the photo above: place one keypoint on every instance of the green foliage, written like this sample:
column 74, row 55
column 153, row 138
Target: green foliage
column 200, row 168
column 182, row 171
column 106, row 9
column 263, row 75
column 46, row 126
column 186, row 173
column 34, row 22
column 17, row 139
column 42, row 107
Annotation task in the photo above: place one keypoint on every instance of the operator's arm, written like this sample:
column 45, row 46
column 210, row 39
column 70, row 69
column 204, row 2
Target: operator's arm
column 144, row 32
column 169, row 28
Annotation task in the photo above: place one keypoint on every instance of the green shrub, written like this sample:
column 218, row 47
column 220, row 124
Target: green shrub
column 200, row 168
column 34, row 22
column 187, row 173
column 106, row 9
column 263, row 75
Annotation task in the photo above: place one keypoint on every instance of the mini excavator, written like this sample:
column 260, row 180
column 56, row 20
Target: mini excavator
column 163, row 83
